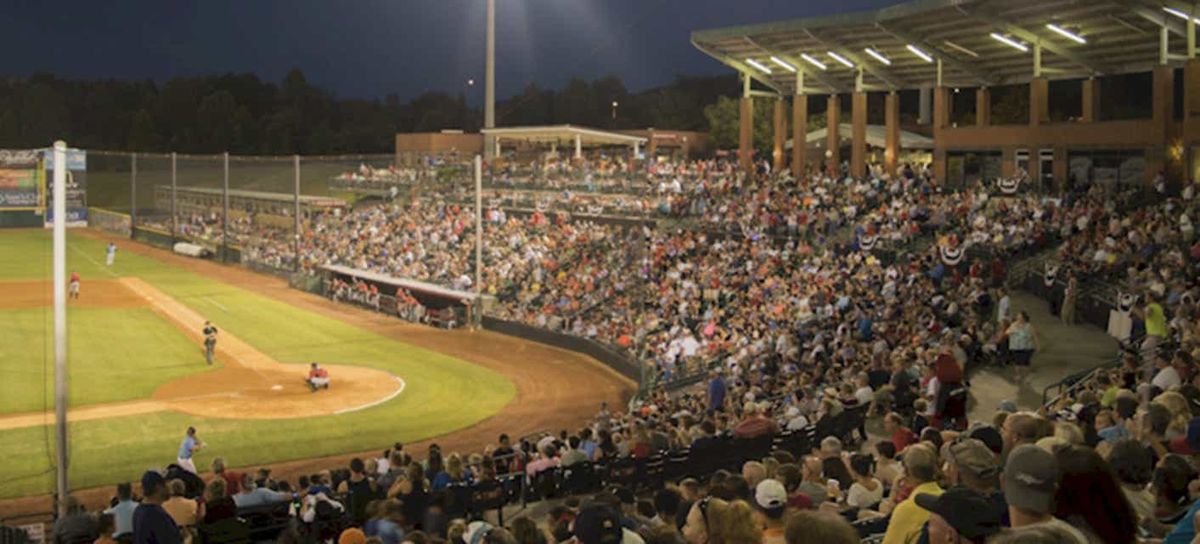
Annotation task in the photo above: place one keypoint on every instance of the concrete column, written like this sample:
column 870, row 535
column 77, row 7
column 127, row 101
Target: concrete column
column 1008, row 162
column 578, row 147
column 926, row 105
column 799, row 134
column 1059, row 170
column 1163, row 106
column 941, row 118
column 833, row 117
column 891, row 122
column 1039, row 101
column 1090, row 112
column 983, row 107
column 780, row 133
column 746, row 134
column 858, row 134
column 651, row 144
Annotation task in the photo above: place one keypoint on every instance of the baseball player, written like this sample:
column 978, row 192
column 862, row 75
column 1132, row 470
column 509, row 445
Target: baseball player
column 210, row 341
column 110, row 254
column 73, row 286
column 317, row 378
column 189, row 446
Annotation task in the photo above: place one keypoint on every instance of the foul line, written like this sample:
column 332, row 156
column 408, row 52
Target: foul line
column 376, row 403
column 217, row 304
column 94, row 261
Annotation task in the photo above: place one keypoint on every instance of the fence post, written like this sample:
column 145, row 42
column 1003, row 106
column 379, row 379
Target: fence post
column 174, row 215
column 225, row 211
column 132, row 195
column 296, row 213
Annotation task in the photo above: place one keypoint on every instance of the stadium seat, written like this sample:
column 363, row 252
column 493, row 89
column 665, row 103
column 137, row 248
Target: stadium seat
column 226, row 531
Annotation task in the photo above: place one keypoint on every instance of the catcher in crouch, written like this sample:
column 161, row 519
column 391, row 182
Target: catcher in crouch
column 318, row 378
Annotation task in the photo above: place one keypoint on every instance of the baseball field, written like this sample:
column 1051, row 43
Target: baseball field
column 138, row 376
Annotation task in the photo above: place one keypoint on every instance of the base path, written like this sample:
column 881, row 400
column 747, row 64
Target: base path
column 250, row 385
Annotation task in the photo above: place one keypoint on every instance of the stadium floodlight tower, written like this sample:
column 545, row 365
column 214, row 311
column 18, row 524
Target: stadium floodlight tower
column 489, row 81
column 59, row 211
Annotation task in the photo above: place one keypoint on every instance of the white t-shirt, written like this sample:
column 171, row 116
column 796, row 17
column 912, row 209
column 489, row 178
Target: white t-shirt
column 864, row 395
column 1166, row 378
column 860, row 497
column 1077, row 536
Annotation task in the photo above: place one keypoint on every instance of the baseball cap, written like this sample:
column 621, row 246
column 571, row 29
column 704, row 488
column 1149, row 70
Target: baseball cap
column 598, row 524
column 770, row 494
column 989, row 436
column 476, row 531
column 1030, row 478
column 623, row 494
column 972, row 456
column 968, row 511
column 151, row 481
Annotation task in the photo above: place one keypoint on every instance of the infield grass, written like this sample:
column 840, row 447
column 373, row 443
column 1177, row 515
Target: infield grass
column 443, row 393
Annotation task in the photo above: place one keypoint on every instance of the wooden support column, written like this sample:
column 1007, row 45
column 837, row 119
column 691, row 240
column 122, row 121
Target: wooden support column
column 799, row 135
column 983, row 107
column 780, row 133
column 746, row 134
column 833, row 118
column 891, row 122
column 1039, row 101
column 858, row 134
column 941, row 117
column 1091, row 101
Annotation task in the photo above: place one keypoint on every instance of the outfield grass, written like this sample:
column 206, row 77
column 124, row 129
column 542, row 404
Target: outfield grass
column 115, row 355
column 442, row 394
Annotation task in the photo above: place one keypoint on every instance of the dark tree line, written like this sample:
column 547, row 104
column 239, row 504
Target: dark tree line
column 243, row 114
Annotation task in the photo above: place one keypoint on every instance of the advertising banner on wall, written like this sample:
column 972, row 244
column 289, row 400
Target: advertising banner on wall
column 20, row 187
column 77, row 214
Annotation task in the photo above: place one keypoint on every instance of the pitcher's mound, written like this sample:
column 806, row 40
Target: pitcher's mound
column 278, row 393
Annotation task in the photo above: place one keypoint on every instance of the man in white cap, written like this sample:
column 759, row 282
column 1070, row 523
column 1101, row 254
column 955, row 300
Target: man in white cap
column 771, row 499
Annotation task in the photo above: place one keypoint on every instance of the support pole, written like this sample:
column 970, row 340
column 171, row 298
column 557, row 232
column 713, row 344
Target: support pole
column 1164, row 46
column 60, row 325
column 296, row 215
column 799, row 127
column 174, row 215
column 1191, row 34
column 132, row 194
column 225, row 211
column 489, row 80
column 1037, row 60
column 478, row 310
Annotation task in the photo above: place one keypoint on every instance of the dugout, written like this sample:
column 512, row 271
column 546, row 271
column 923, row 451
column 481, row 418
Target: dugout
column 433, row 297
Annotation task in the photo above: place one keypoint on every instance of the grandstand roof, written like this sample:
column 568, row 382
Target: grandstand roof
column 876, row 137
column 410, row 284
column 565, row 134
column 1121, row 36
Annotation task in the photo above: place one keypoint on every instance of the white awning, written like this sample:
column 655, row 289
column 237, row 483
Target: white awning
column 876, row 137
column 411, row 285
column 565, row 135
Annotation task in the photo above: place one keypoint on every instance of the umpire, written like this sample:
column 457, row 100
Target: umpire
column 210, row 341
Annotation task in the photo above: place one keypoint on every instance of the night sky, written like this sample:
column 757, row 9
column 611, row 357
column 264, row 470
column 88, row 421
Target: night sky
column 369, row 48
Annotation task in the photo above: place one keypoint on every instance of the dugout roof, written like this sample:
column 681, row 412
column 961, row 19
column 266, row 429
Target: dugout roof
column 967, row 36
column 565, row 135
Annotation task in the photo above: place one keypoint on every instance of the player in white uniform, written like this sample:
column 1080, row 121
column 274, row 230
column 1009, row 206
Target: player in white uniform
column 110, row 254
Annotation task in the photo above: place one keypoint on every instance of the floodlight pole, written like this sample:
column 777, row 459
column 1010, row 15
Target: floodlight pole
column 296, row 213
column 489, row 80
column 478, row 223
column 60, row 324
column 225, row 209
column 174, row 214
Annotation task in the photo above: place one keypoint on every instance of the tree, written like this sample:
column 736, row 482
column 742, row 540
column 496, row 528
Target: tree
column 723, row 123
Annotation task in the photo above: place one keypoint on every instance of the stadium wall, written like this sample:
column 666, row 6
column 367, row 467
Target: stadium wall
column 610, row 357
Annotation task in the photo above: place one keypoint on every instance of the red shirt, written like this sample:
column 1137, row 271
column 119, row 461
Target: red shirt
column 902, row 438
column 317, row 373
column 233, row 482
column 74, row 276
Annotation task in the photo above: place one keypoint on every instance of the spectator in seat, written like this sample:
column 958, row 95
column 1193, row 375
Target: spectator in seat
column 1089, row 496
column 1024, row 428
column 901, row 436
column 1133, row 466
column 217, row 505
column 806, row 527
column 960, row 515
column 233, row 479
column 1170, row 484
column 887, row 468
column 122, row 512
column 791, row 476
column 812, row 473
column 754, row 472
column 152, row 524
column 754, row 423
column 252, row 495
column 77, row 527
column 388, row 523
column 186, row 512
column 908, row 518
column 547, row 459
column 970, row 463
column 715, row 521
column 716, row 392
column 771, row 499
column 574, row 454
column 106, row 525
column 666, row 506
column 1030, row 482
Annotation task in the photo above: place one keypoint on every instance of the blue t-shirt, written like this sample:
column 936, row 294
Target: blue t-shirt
column 1185, row 530
column 152, row 525
column 122, row 517
column 186, row 447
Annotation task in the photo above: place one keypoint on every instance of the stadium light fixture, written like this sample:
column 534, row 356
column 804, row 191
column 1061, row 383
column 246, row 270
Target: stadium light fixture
column 840, row 59
column 1066, row 33
column 878, row 56
column 1179, row 14
column 761, row 67
column 783, row 64
column 1010, row 42
column 960, row 49
column 917, row 51
column 813, row 61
